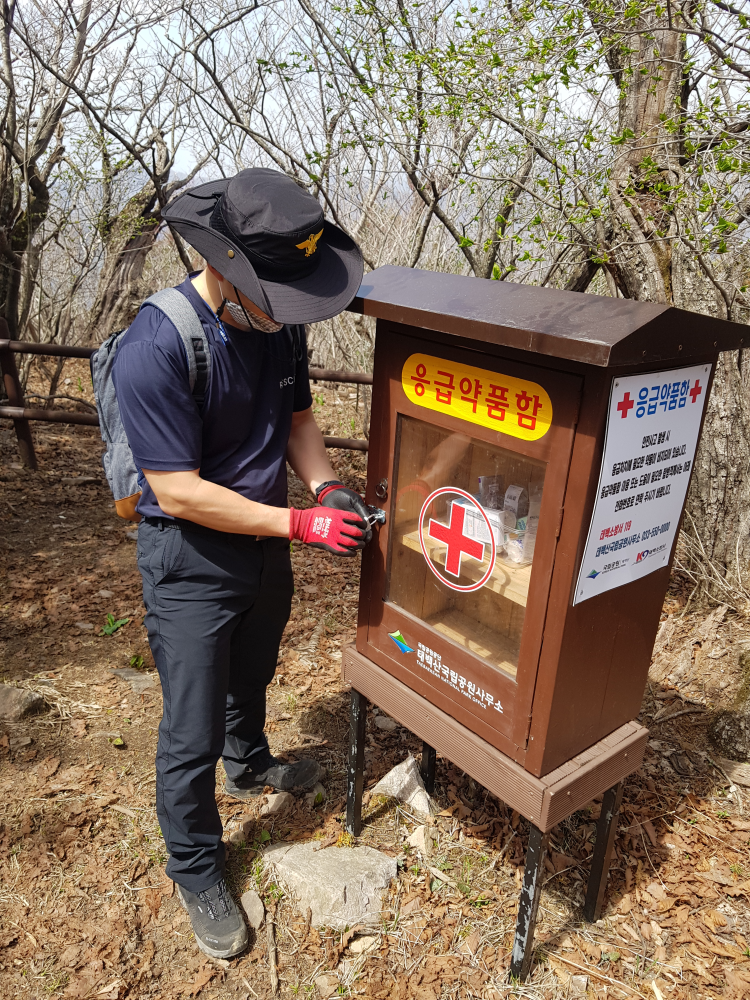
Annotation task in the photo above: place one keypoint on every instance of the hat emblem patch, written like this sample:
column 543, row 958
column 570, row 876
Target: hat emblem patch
column 310, row 245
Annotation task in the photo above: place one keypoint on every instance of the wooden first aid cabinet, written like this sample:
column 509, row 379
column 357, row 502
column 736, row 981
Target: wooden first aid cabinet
column 494, row 406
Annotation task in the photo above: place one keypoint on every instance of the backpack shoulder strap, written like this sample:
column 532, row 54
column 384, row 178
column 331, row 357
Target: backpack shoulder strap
column 186, row 321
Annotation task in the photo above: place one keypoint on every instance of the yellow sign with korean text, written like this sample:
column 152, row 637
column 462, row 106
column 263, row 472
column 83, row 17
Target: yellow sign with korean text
column 503, row 403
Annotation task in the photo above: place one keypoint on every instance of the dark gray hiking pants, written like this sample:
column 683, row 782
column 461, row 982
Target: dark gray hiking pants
column 216, row 607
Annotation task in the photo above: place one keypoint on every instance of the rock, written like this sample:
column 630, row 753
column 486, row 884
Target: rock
column 342, row 886
column 137, row 679
column 15, row 702
column 85, row 626
column 422, row 840
column 579, row 985
column 237, row 837
column 278, row 803
column 362, row 944
column 132, row 535
column 404, row 783
column 253, row 906
column 326, row 985
column 386, row 722
column 18, row 742
column 316, row 796
column 106, row 593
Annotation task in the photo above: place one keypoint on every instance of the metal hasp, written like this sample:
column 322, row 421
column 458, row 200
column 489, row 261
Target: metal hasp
column 355, row 775
column 606, row 830
column 523, row 944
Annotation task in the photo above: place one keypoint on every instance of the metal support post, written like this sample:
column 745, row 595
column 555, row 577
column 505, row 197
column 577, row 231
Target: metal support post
column 606, row 831
column 523, row 944
column 427, row 770
column 14, row 393
column 356, row 768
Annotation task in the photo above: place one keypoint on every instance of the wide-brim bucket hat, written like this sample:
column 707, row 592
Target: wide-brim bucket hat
column 268, row 237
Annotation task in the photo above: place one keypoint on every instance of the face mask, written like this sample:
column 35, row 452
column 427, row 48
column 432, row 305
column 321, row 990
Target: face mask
column 241, row 317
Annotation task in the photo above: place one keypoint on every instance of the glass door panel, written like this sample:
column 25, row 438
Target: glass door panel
column 462, row 538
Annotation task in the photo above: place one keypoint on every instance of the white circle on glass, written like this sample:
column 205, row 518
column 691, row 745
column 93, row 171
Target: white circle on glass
column 458, row 545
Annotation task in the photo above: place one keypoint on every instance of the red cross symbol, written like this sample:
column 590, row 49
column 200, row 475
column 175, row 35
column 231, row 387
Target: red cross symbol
column 458, row 543
column 626, row 405
column 696, row 390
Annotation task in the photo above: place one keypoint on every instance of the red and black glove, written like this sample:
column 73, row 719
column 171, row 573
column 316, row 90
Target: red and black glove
column 338, row 531
column 335, row 495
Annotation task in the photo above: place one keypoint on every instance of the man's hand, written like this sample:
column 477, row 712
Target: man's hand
column 334, row 494
column 336, row 531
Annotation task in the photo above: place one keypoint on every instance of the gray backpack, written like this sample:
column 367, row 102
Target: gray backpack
column 119, row 467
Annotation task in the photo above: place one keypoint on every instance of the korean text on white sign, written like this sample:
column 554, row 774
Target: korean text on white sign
column 653, row 425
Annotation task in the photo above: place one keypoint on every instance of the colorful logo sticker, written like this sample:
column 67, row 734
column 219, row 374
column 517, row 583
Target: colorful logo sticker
column 400, row 641
column 454, row 541
column 503, row 403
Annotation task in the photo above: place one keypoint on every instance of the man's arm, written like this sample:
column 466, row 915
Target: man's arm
column 306, row 452
column 186, row 495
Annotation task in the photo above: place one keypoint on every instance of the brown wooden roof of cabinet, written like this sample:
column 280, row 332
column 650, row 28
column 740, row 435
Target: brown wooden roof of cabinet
column 589, row 329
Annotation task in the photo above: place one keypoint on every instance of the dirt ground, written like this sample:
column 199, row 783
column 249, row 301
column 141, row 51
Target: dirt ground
column 86, row 909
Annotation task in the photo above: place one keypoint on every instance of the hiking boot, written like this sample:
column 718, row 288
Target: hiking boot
column 218, row 926
column 269, row 770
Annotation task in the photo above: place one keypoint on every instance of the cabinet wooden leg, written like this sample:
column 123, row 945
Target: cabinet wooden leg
column 606, row 830
column 523, row 944
column 427, row 769
column 356, row 767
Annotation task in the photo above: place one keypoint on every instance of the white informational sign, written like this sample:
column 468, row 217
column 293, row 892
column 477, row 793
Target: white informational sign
column 649, row 448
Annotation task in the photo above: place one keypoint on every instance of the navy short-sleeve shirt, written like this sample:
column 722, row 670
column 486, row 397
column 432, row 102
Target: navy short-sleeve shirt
column 239, row 437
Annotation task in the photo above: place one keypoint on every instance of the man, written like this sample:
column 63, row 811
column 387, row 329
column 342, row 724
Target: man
column 213, row 542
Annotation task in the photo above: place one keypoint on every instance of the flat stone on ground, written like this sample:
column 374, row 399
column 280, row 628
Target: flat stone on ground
column 404, row 783
column 137, row 679
column 253, row 906
column 422, row 840
column 326, row 985
column 342, row 886
column 363, row 943
column 15, row 702
column 278, row 803
column 386, row 723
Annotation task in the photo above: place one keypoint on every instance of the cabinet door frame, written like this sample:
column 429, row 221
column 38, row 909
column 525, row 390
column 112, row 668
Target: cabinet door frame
column 507, row 731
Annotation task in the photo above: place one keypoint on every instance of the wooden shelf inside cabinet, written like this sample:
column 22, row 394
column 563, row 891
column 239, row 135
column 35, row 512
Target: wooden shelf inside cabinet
column 482, row 641
column 511, row 582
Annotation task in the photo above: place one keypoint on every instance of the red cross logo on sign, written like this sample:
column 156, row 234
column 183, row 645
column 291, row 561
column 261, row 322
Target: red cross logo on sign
column 458, row 543
column 696, row 390
column 626, row 405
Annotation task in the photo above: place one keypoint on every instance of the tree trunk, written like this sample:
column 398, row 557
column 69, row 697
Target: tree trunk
column 654, row 262
column 129, row 237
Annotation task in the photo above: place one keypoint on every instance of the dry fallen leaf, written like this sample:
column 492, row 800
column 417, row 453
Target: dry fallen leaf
column 47, row 767
column 471, row 942
column 713, row 919
column 203, row 977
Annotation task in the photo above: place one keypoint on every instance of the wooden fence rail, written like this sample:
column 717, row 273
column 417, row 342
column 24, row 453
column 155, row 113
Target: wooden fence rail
column 21, row 415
